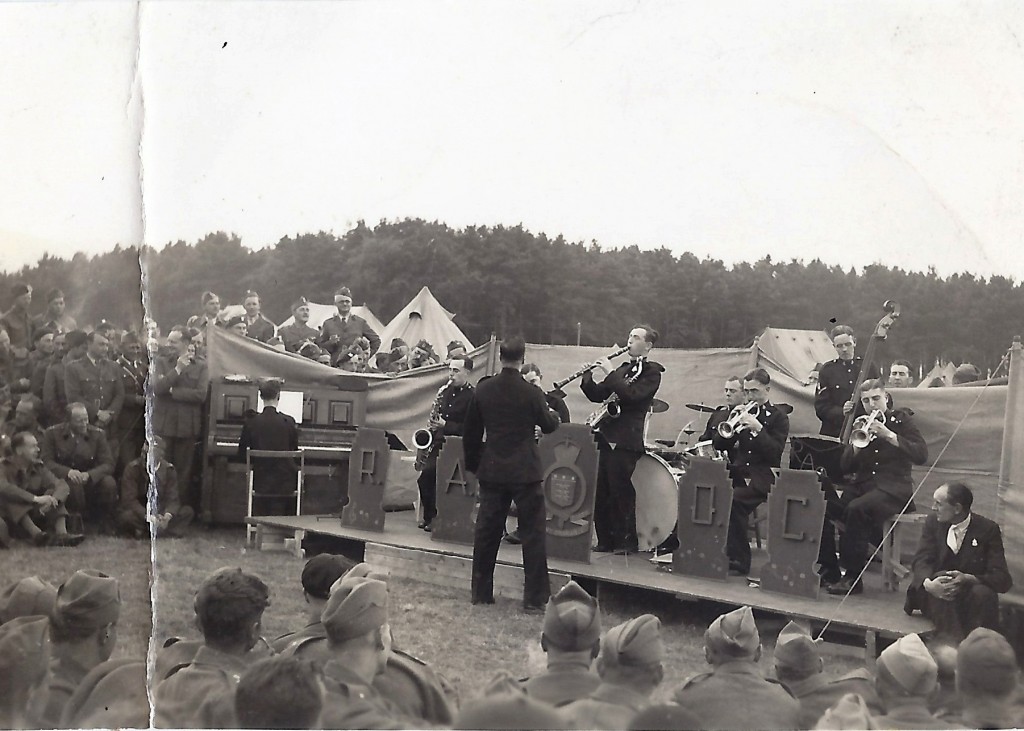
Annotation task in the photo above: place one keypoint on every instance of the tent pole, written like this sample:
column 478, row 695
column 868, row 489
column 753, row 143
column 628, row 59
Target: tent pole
column 1010, row 477
column 492, row 356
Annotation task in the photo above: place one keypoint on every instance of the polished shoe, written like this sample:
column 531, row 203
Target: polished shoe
column 602, row 548
column 513, row 538
column 487, row 600
column 844, row 587
column 429, row 527
column 826, row 580
column 422, row 525
column 533, row 609
column 66, row 539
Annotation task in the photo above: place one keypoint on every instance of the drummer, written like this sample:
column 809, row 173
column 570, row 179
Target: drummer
column 733, row 391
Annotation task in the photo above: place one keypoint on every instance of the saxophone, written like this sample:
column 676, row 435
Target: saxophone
column 423, row 439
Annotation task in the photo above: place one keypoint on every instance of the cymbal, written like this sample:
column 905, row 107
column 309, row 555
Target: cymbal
column 658, row 406
column 701, row 407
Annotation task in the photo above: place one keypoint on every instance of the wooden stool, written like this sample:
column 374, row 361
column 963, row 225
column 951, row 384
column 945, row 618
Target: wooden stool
column 893, row 570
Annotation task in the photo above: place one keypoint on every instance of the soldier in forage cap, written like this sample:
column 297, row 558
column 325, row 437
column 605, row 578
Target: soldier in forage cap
column 849, row 712
column 28, row 597
column 83, row 632
column 800, row 667
column 112, row 695
column 340, row 333
column 987, row 681
column 229, row 609
column 905, row 677
column 24, row 658
column 16, row 321
column 299, row 331
column 56, row 317
column 735, row 694
column 630, row 666
column 571, row 638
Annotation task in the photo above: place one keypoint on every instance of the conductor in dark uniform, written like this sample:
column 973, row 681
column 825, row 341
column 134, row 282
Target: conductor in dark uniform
column 632, row 385
column 755, row 449
column 271, row 430
column 834, row 398
column 508, row 467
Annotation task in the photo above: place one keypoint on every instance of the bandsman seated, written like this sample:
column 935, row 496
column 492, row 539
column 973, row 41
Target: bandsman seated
column 170, row 517
column 32, row 498
column 80, row 455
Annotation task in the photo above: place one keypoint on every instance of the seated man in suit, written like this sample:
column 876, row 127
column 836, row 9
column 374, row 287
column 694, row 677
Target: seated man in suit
column 960, row 567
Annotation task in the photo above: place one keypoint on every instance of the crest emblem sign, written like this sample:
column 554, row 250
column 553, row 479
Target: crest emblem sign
column 569, row 483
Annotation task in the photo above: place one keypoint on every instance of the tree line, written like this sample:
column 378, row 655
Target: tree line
column 508, row 280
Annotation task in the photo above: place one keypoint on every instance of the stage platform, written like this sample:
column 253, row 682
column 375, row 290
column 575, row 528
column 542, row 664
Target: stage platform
column 875, row 613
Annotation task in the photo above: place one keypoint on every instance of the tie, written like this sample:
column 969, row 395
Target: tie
column 951, row 540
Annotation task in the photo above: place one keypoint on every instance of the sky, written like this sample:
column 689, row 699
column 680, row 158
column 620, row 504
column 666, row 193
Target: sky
column 855, row 133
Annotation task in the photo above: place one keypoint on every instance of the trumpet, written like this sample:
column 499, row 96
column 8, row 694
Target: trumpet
column 732, row 426
column 860, row 436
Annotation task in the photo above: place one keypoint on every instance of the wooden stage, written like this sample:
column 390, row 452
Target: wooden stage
column 407, row 550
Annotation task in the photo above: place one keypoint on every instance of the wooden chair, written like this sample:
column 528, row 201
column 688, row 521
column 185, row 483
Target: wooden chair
column 894, row 528
column 256, row 532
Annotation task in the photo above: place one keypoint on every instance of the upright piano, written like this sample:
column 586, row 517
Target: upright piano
column 330, row 419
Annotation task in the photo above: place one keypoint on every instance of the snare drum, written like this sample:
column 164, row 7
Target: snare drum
column 657, row 500
column 707, row 450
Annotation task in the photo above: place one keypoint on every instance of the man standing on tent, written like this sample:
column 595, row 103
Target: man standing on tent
column 339, row 334
column 631, row 387
column 836, row 379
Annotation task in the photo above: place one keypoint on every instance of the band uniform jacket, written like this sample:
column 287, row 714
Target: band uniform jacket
column 836, row 380
column 347, row 333
column 507, row 408
column 179, row 397
column 271, row 430
column 635, row 391
column 20, row 486
column 981, row 554
column 719, row 415
column 97, row 385
column 455, row 402
column 260, row 329
column 885, row 467
column 296, row 334
column 754, row 457
column 62, row 450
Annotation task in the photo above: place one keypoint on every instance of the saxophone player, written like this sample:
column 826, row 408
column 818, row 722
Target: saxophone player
column 451, row 406
column 621, row 438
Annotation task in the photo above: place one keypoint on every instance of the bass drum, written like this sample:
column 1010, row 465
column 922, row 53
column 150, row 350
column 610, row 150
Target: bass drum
column 657, row 500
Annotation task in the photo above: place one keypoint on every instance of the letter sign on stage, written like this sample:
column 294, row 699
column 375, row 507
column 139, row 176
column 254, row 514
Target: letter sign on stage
column 367, row 475
column 796, row 512
column 569, row 456
column 456, row 496
column 705, row 502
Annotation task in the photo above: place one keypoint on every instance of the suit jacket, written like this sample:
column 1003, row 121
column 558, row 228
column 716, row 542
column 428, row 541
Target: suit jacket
column 754, row 457
column 508, row 408
column 885, row 467
column 62, row 450
column 635, row 392
column 836, row 380
column 346, row 333
column 260, row 329
column 179, row 397
column 97, row 385
column 981, row 554
column 270, row 429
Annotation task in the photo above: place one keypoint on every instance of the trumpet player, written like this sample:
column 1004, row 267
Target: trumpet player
column 883, row 447
column 733, row 393
column 621, row 439
column 452, row 405
column 755, row 439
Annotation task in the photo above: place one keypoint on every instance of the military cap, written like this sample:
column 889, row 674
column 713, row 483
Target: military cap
column 320, row 573
column 849, row 712
column 455, row 345
column 130, row 338
column 208, row 295
column 250, row 293
column 986, row 660
column 300, row 302
column 40, row 333
column 796, row 649
column 636, row 642
column 908, row 663
column 54, row 294
column 236, row 320
column 111, row 695
column 734, row 633
column 229, row 583
column 572, row 620
column 509, row 710
column 27, row 597
column 356, row 606
column 343, row 292
column 24, row 656
column 20, row 288
column 88, row 601
column 105, row 325
column 668, row 716
column 75, row 339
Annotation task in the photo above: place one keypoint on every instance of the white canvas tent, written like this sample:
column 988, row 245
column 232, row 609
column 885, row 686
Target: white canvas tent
column 424, row 319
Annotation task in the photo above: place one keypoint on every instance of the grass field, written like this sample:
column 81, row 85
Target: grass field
column 467, row 644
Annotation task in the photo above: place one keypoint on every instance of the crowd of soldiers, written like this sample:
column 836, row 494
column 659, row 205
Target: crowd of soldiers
column 344, row 669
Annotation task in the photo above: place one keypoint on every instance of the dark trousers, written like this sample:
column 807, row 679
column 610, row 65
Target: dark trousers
column 977, row 606
column 745, row 499
column 864, row 519
column 835, row 510
column 95, row 501
column 615, row 499
column 180, row 452
column 427, row 483
column 495, row 498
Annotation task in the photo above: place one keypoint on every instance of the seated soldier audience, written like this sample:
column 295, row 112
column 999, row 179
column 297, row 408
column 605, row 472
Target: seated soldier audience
column 25, row 419
column 27, row 597
column 905, row 678
column 279, row 692
column 318, row 576
column 32, row 498
column 571, row 638
column 170, row 518
column 735, row 694
column 24, row 660
column 801, row 669
column 229, row 610
column 507, row 707
column 945, row 701
column 83, row 632
column 80, row 455
column 630, row 666
column 112, row 695
column 987, row 681
column 667, row 716
column 422, row 355
column 849, row 712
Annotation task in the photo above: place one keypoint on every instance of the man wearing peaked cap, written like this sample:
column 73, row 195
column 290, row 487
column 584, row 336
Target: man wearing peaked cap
column 83, row 632
column 28, row 597
column 905, row 677
column 987, row 680
column 630, row 667
column 571, row 638
column 24, row 657
column 799, row 667
column 735, row 693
